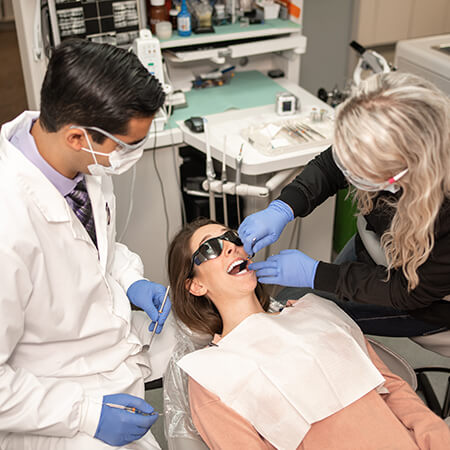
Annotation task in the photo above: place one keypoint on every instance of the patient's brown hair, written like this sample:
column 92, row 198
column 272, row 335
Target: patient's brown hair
column 197, row 313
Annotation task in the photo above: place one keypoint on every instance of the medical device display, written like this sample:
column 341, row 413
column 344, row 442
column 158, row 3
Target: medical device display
column 286, row 104
column 147, row 49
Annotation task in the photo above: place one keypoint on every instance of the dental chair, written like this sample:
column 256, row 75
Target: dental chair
column 178, row 426
column 437, row 342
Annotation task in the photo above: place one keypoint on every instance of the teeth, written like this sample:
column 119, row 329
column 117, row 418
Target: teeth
column 234, row 264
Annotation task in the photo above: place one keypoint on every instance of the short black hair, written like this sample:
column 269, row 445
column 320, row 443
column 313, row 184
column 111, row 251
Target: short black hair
column 100, row 85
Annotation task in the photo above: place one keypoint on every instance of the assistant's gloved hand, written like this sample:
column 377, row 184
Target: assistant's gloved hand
column 289, row 268
column 120, row 427
column 264, row 227
column 149, row 296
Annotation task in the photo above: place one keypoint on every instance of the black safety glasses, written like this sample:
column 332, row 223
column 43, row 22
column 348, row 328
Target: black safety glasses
column 212, row 248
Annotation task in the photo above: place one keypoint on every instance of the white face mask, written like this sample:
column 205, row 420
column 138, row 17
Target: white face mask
column 120, row 160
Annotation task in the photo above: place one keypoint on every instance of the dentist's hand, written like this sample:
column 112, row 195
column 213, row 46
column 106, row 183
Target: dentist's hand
column 264, row 227
column 289, row 268
column 119, row 427
column 149, row 296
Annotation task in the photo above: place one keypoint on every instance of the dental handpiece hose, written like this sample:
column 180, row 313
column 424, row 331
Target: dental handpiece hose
column 238, row 181
column 210, row 174
column 160, row 311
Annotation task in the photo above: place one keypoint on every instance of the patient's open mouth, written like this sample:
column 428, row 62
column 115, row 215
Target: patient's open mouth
column 238, row 267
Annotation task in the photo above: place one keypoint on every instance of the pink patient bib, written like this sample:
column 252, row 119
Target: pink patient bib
column 284, row 372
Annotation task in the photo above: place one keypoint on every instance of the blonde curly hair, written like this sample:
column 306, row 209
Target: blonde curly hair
column 399, row 121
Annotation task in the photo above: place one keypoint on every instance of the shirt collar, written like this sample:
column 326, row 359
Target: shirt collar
column 24, row 141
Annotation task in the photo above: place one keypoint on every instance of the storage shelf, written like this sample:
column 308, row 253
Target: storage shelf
column 234, row 32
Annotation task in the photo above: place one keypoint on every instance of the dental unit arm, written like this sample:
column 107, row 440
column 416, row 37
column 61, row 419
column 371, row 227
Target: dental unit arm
column 368, row 60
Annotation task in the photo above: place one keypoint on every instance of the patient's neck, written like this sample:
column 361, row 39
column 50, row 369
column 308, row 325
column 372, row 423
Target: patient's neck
column 234, row 311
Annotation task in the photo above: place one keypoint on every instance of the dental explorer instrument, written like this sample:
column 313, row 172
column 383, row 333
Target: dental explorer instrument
column 238, row 181
column 210, row 174
column 132, row 410
column 160, row 311
column 304, row 131
column 223, row 179
column 297, row 132
column 307, row 127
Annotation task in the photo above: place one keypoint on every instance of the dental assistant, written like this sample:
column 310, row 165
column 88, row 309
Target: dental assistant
column 391, row 145
column 71, row 343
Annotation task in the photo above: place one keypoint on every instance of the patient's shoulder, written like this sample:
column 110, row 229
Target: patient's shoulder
column 200, row 396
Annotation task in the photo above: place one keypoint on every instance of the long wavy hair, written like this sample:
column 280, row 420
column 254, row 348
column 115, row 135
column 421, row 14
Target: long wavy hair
column 197, row 312
column 393, row 122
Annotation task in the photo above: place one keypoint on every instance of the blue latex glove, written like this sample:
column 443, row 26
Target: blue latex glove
column 149, row 297
column 264, row 227
column 289, row 268
column 119, row 427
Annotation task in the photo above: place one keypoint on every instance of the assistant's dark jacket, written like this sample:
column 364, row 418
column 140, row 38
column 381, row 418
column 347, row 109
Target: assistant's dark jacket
column 364, row 281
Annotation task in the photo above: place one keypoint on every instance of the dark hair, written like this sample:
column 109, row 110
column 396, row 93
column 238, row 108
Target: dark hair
column 98, row 85
column 197, row 313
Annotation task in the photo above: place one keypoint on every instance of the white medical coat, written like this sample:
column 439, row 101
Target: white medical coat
column 68, row 336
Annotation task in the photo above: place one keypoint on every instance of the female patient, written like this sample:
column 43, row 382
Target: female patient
column 304, row 378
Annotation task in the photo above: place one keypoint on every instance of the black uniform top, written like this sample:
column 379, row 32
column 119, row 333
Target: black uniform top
column 364, row 281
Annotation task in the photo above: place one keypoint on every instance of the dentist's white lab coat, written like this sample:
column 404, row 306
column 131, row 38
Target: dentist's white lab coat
column 68, row 334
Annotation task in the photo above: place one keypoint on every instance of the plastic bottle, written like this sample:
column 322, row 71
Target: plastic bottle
column 184, row 21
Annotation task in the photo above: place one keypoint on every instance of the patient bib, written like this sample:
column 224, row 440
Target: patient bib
column 284, row 372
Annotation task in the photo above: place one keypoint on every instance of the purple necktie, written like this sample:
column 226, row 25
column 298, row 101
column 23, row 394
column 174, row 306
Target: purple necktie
column 81, row 205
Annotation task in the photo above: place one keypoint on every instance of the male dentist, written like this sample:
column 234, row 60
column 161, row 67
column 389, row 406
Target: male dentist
column 72, row 351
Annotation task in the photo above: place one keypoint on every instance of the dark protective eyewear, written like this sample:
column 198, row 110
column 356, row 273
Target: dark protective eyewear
column 212, row 248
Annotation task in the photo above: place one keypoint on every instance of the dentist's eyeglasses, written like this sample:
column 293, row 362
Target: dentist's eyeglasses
column 121, row 145
column 212, row 248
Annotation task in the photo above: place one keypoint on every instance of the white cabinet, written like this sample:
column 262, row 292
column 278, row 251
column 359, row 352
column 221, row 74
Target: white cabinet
column 378, row 22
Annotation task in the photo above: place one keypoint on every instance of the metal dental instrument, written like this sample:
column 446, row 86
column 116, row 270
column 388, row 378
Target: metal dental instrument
column 160, row 311
column 210, row 174
column 307, row 127
column 298, row 132
column 304, row 131
column 243, row 264
column 132, row 410
column 223, row 179
column 238, row 181
column 294, row 134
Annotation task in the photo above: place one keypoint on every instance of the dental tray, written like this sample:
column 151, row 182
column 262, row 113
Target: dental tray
column 288, row 134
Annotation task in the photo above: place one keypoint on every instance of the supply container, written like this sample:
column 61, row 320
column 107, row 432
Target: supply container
column 271, row 9
column 157, row 13
column 173, row 13
column 163, row 30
